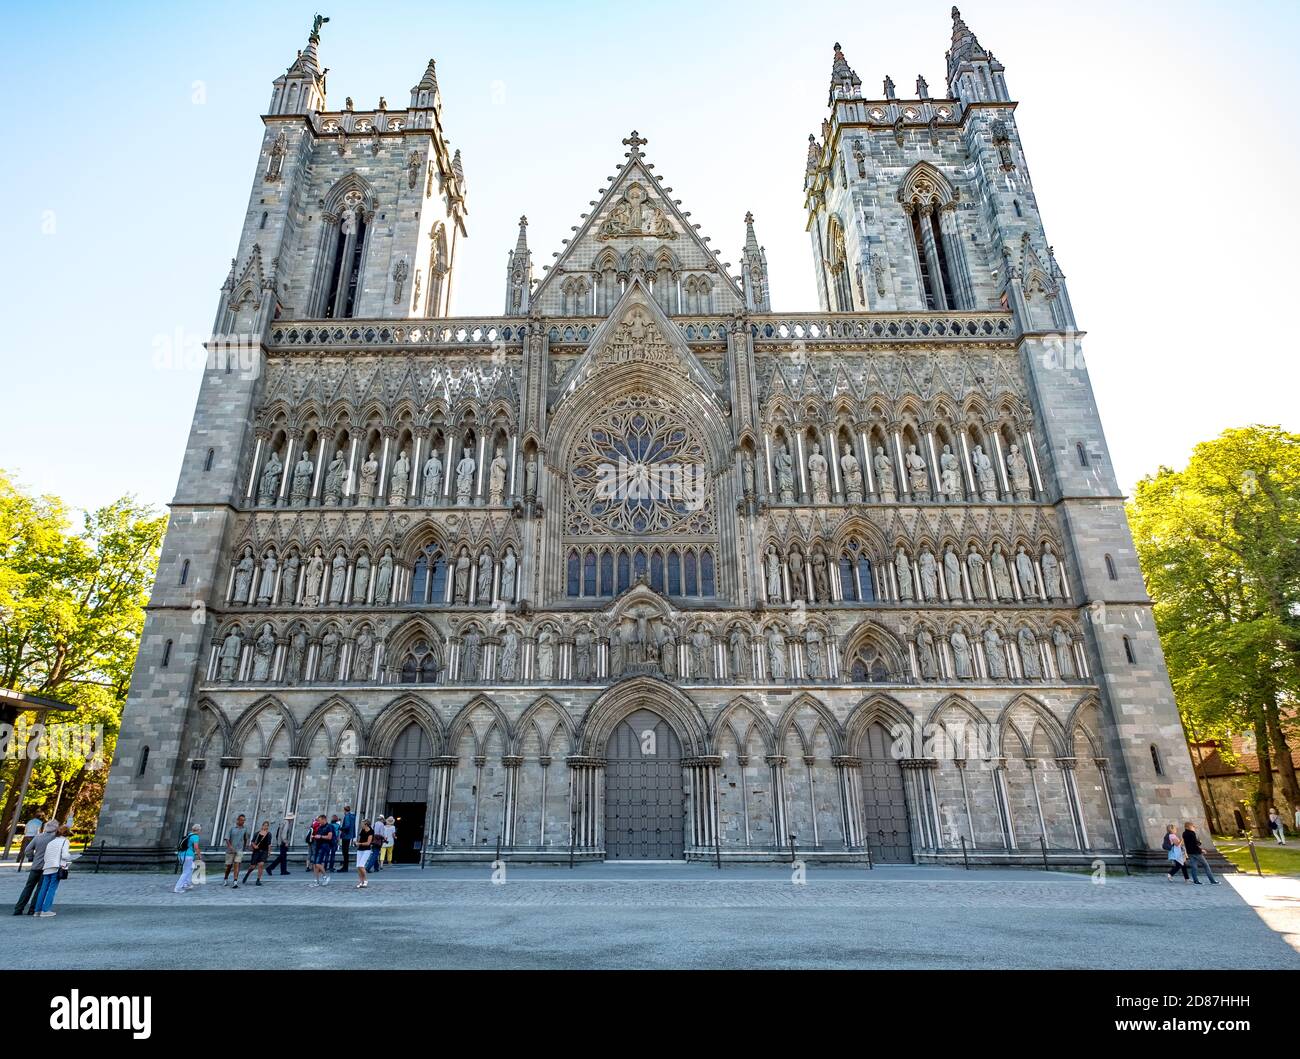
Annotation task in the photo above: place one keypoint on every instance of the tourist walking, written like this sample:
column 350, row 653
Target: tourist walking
column 1277, row 827
column 31, row 829
column 376, row 844
column 364, row 837
column 187, row 852
column 335, row 830
column 261, row 850
column 37, row 852
column 348, row 833
column 236, row 843
column 58, row 856
column 282, row 861
column 1196, row 855
column 390, row 839
column 321, row 835
column 1176, row 854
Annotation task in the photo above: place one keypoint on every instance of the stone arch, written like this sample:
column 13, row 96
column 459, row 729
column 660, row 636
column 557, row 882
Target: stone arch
column 643, row 692
column 316, row 720
column 826, row 718
column 926, row 185
column 461, row 724
column 1042, row 716
column 393, row 720
column 887, row 711
column 248, row 721
column 743, row 706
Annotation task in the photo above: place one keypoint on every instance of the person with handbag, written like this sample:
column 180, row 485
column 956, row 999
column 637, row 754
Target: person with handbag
column 1176, row 854
column 188, row 851
column 58, row 856
column 390, row 839
column 36, row 850
column 261, row 846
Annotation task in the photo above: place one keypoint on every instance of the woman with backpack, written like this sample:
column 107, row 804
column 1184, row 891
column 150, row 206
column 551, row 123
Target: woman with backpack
column 187, row 851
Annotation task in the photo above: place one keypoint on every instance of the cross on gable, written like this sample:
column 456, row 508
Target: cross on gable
column 635, row 142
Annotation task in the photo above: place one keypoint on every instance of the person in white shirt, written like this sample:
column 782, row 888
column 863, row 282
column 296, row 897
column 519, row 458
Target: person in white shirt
column 390, row 838
column 58, row 855
column 31, row 829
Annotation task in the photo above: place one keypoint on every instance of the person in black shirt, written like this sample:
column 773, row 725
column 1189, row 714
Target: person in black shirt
column 1195, row 854
column 364, row 838
column 261, row 847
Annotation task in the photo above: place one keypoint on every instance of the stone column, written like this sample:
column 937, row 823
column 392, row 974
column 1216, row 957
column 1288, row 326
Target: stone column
column 931, row 251
column 1003, row 802
column 511, row 763
column 444, row 768
column 586, row 784
column 1068, row 781
column 848, row 770
column 702, row 776
column 780, row 820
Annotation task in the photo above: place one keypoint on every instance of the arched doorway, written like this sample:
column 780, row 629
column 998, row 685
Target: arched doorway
column 408, row 791
column 884, row 800
column 644, row 814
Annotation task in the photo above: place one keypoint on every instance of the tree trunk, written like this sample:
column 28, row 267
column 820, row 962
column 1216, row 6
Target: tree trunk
column 1263, row 800
column 1285, row 763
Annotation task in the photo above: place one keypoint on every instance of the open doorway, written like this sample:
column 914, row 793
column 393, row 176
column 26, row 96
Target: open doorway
column 409, row 821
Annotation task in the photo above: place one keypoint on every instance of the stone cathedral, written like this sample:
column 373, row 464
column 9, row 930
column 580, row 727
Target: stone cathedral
column 640, row 567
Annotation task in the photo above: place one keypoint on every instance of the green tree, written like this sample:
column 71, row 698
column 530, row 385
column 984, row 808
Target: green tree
column 1219, row 543
column 71, row 613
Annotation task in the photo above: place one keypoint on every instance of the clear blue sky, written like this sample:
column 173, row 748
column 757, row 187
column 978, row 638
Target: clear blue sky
column 1161, row 139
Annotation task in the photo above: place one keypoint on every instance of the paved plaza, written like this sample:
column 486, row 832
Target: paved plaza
column 660, row 916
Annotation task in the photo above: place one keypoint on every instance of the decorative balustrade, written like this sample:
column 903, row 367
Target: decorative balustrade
column 479, row 333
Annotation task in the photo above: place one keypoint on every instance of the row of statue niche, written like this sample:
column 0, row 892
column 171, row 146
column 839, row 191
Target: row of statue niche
column 483, row 575
column 313, row 574
column 994, row 654
column 928, row 573
column 918, row 478
column 296, row 649
column 399, row 482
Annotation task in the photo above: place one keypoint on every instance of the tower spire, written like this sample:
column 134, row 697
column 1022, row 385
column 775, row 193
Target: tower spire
column 754, row 279
column 301, row 88
column 974, row 75
column 519, row 274
column 845, row 84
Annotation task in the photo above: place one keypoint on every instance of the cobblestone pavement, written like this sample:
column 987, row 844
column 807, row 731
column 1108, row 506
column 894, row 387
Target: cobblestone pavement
column 654, row 915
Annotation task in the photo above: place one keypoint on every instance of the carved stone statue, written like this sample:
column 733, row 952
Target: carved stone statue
column 774, row 588
column 785, row 474
column 1025, row 572
column 369, row 479
column 950, row 471
column 473, row 656
column 582, row 666
column 952, row 576
column 815, row 648
column 509, row 566
column 747, row 474
column 384, row 579
column 546, row 655
column 903, row 570
column 266, row 583
column 736, row 651
column 296, row 657
column 925, row 655
column 979, row 587
column 1064, row 653
column 289, row 580
column 432, row 479
column 852, row 475
column 818, row 470
column 821, row 578
column 929, row 570
column 776, row 653
column 327, row 666
column 795, row 561
column 1001, row 573
column 994, row 655
column 917, row 478
column 961, row 662
column 263, row 654
column 269, row 487
column 700, row 643
column 338, row 576
column 243, row 577
column 315, row 574
column 465, row 476
column 617, row 642
column 668, row 653
column 483, row 580
column 400, row 480
column 1018, row 472
column 334, row 475
column 984, row 476
column 300, row 491
column 1030, row 662
column 363, row 662
column 508, row 659
column 231, row 647
column 461, row 589
column 530, row 477
column 361, row 579
column 1051, row 573
column 497, row 478
column 885, row 481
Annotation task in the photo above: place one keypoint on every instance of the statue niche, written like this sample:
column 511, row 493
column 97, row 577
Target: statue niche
column 637, row 216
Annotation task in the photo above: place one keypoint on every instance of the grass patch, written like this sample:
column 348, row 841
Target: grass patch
column 1273, row 859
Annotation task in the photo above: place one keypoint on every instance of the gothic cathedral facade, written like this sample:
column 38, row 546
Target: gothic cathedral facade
column 641, row 567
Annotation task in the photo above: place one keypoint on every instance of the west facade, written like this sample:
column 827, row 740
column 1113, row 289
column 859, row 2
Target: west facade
column 641, row 568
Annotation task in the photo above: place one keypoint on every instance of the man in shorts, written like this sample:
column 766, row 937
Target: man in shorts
column 322, row 839
column 236, row 843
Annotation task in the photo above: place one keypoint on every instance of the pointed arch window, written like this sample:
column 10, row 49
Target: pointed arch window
column 838, row 264
column 348, row 219
column 429, row 577
column 869, row 666
column 420, row 666
column 855, row 574
column 439, row 268
column 928, row 199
